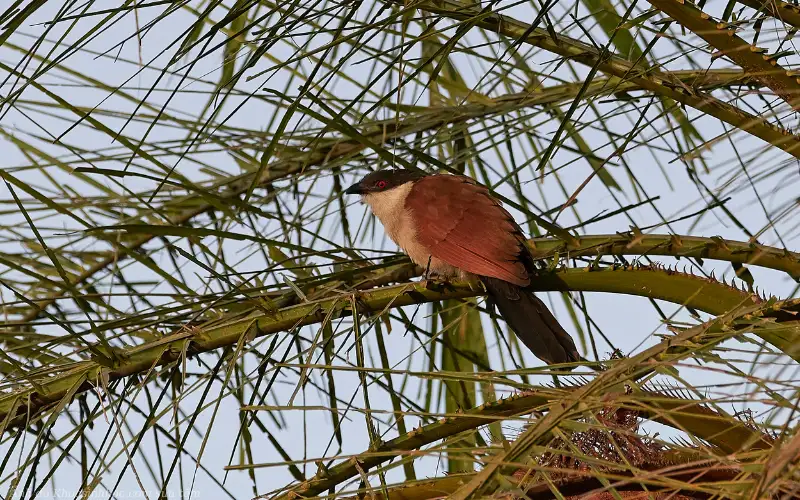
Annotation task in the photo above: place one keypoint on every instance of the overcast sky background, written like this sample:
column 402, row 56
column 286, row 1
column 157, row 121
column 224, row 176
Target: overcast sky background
column 629, row 321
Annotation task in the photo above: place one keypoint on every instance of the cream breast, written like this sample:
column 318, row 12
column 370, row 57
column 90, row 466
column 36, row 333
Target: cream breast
column 390, row 208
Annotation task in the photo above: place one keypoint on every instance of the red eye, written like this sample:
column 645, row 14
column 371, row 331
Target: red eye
column 381, row 184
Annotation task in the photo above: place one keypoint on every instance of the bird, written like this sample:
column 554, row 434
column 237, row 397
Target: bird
column 452, row 227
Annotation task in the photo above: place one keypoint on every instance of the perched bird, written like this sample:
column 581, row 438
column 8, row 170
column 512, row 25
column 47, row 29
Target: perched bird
column 451, row 226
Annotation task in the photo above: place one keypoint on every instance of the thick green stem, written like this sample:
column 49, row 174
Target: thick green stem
column 48, row 389
column 649, row 79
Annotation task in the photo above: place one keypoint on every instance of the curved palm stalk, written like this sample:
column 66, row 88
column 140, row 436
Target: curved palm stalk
column 713, row 479
column 736, row 322
column 50, row 387
column 683, row 414
column 636, row 243
column 754, row 60
column 228, row 191
column 650, row 79
column 785, row 12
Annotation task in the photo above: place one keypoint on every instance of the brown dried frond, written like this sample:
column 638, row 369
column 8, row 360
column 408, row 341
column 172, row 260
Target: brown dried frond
column 616, row 440
column 633, row 495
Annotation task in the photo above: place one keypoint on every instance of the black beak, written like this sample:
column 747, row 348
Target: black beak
column 354, row 189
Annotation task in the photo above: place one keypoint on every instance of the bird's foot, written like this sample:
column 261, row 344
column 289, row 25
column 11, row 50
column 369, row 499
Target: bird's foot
column 437, row 284
column 491, row 306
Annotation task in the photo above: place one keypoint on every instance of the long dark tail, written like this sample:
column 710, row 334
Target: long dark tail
column 533, row 323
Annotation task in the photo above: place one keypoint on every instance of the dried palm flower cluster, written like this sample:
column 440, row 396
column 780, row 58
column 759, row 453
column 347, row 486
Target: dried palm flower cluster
column 614, row 438
column 633, row 495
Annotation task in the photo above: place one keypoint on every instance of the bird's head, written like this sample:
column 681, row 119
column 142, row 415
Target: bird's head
column 383, row 180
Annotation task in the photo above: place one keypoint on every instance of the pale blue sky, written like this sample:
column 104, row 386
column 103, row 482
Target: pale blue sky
column 628, row 321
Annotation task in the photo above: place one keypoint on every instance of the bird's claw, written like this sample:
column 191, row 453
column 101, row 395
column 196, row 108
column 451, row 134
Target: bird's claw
column 429, row 284
column 437, row 284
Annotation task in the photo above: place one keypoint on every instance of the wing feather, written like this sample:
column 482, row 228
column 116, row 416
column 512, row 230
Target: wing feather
column 462, row 225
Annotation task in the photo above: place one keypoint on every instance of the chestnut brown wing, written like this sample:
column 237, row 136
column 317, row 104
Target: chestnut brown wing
column 462, row 225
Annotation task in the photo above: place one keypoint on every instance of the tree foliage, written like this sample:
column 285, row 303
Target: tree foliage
column 192, row 308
